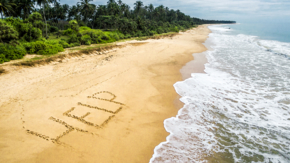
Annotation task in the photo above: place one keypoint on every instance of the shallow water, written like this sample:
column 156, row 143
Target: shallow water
column 239, row 111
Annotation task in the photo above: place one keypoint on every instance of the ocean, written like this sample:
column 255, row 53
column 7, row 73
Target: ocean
column 239, row 110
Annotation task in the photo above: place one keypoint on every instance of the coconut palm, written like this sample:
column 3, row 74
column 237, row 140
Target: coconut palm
column 44, row 3
column 151, row 9
column 85, row 7
column 138, row 6
column 6, row 7
column 120, row 2
column 24, row 8
column 73, row 13
column 111, row 1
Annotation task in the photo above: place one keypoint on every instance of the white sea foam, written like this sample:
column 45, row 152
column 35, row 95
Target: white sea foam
column 239, row 111
column 276, row 47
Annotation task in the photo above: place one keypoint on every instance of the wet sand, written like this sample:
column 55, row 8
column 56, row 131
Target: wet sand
column 96, row 108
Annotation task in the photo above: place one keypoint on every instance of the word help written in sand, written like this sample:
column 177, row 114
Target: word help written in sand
column 81, row 119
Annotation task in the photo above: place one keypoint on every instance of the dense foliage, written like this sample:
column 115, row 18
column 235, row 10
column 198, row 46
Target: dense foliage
column 11, row 52
column 51, row 27
column 7, row 33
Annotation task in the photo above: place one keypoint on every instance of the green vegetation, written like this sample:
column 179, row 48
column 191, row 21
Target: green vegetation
column 48, row 29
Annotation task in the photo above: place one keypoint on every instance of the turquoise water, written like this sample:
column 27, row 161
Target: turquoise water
column 272, row 30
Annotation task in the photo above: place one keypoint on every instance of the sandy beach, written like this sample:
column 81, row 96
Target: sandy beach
column 97, row 108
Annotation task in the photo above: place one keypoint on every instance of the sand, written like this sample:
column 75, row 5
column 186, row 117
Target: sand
column 95, row 108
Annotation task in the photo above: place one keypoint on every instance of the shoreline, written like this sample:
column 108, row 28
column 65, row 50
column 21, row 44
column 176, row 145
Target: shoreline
column 197, row 65
column 132, row 88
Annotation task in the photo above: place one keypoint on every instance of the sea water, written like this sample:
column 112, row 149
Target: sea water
column 239, row 110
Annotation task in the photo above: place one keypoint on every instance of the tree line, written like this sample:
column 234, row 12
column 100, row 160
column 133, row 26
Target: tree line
column 116, row 15
column 46, row 27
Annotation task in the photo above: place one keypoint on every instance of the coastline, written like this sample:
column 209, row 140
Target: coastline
column 138, row 77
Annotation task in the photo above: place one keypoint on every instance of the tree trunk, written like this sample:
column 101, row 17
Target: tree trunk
column 45, row 20
column 25, row 13
column 30, row 33
column 2, row 15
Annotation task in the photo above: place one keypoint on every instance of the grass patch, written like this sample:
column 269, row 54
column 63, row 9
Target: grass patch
column 42, row 60
column 99, row 48
column 54, row 37
column 157, row 36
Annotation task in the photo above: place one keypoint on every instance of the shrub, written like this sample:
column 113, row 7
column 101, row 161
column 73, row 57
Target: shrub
column 75, row 44
column 53, row 29
column 43, row 47
column 37, row 46
column 73, row 39
column 180, row 28
column 29, row 29
column 114, row 36
column 35, row 16
column 160, row 30
column 34, row 47
column 133, row 34
column 152, row 33
column 86, row 39
column 174, row 29
column 121, row 35
column 104, row 36
column 7, row 32
column 64, row 44
column 73, row 24
column 95, row 37
column 145, row 33
column 128, row 36
column 2, row 58
column 9, row 52
column 79, row 36
column 36, row 20
column 166, row 30
column 51, row 42
column 69, row 31
column 139, row 34
column 51, row 49
column 33, row 34
column 84, row 28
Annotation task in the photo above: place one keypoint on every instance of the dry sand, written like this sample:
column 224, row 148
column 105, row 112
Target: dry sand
column 97, row 108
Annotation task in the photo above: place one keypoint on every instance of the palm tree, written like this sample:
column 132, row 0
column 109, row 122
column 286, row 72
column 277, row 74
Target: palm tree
column 161, row 11
column 60, row 13
column 25, row 7
column 90, row 15
column 151, row 9
column 6, row 7
column 85, row 6
column 138, row 6
column 73, row 12
column 120, row 2
column 156, row 13
column 65, row 9
column 113, row 7
column 101, row 10
column 111, row 1
column 44, row 3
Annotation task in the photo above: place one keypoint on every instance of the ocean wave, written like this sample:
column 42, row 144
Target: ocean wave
column 239, row 111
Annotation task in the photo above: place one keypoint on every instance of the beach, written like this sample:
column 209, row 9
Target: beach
column 97, row 108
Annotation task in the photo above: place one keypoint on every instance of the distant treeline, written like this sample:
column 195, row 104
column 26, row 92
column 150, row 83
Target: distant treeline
column 115, row 15
column 217, row 22
column 46, row 27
